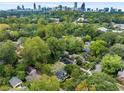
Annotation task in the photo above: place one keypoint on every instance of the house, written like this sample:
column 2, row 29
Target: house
column 30, row 78
column 61, row 75
column 67, row 61
column 98, row 68
column 2, row 62
column 32, row 74
column 30, row 70
column 56, row 20
column 117, row 31
column 20, row 40
column 87, row 43
column 102, row 29
column 87, row 47
column 120, row 77
column 15, row 82
column 119, row 26
column 81, row 20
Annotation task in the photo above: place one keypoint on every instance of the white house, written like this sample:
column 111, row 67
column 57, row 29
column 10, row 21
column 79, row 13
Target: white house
column 102, row 29
column 15, row 82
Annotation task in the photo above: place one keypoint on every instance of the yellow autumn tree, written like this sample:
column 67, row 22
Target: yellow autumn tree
column 4, row 27
column 83, row 86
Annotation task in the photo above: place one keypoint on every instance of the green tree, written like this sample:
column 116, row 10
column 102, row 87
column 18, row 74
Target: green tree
column 111, row 64
column 57, row 47
column 41, row 31
column 4, row 35
column 102, row 82
column 7, row 52
column 4, row 88
column 98, row 47
column 54, row 30
column 44, row 68
column 108, row 37
column 46, row 83
column 117, row 49
column 35, row 50
column 120, row 39
column 74, row 44
column 21, row 74
column 8, row 70
column 68, row 85
column 87, row 38
column 69, row 68
column 14, row 35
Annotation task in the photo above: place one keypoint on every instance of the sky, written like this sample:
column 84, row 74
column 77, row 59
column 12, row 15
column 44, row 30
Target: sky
column 94, row 5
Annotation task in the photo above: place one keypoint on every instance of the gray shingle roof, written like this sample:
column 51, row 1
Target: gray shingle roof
column 61, row 74
column 14, row 81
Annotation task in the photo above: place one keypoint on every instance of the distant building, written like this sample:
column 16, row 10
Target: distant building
column 60, row 7
column 119, row 10
column 39, row 7
column 35, row 6
column 75, row 5
column 23, row 7
column 106, row 9
column 112, row 10
column 101, row 10
column 97, row 9
column 83, row 7
column 88, row 9
column 18, row 8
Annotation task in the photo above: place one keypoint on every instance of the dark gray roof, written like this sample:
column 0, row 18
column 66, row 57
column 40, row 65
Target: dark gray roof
column 29, row 69
column 87, row 47
column 61, row 74
column 67, row 61
column 14, row 81
column 2, row 62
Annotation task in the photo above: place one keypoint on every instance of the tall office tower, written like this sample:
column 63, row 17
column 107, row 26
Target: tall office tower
column 34, row 6
column 83, row 7
column 23, row 7
column 60, row 7
column 75, row 5
column 106, row 9
column 97, row 9
column 18, row 8
column 39, row 7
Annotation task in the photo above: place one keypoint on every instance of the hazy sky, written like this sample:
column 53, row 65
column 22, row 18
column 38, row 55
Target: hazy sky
column 94, row 5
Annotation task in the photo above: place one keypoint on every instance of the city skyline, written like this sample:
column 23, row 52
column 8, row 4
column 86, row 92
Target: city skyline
column 93, row 5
